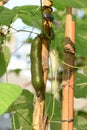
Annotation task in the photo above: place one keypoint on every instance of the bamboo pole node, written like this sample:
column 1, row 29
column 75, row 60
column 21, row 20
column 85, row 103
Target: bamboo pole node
column 69, row 46
column 68, row 10
column 47, row 8
column 65, row 83
column 69, row 120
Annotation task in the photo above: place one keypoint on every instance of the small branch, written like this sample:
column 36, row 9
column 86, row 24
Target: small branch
column 81, row 84
column 55, row 122
column 72, row 66
column 21, row 30
column 23, row 43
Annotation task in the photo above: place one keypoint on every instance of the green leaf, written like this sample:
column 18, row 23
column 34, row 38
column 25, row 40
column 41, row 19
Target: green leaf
column 8, row 94
column 82, row 123
column 5, row 55
column 23, row 107
column 80, row 88
column 82, row 114
column 57, row 43
column 81, row 27
column 75, row 121
column 6, row 16
column 30, row 15
column 73, row 3
column 81, row 38
column 81, row 47
column 53, row 109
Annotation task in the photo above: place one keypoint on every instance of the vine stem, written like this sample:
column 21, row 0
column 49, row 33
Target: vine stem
column 53, row 109
column 73, row 66
column 22, row 43
column 81, row 84
column 13, row 122
column 41, row 14
column 56, row 122
column 23, row 118
column 23, row 31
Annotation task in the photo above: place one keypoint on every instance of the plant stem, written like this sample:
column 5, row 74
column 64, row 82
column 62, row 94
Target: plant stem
column 38, row 114
column 53, row 109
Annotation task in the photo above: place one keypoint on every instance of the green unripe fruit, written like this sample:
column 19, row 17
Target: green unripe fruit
column 36, row 66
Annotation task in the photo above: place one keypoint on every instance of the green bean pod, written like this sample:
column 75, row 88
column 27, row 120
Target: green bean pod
column 36, row 66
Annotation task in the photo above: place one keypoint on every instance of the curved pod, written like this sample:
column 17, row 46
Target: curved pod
column 36, row 66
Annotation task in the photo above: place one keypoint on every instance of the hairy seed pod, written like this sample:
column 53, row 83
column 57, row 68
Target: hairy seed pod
column 54, row 64
column 36, row 66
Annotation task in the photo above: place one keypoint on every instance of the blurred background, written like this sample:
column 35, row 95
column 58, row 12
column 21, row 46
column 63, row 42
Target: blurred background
column 18, row 70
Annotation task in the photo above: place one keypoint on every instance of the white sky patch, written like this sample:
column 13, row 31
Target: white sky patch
column 12, row 3
column 18, row 24
column 20, row 36
column 80, row 13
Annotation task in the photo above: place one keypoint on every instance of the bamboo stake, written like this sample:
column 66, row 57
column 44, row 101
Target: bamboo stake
column 67, row 70
column 71, row 87
column 39, row 120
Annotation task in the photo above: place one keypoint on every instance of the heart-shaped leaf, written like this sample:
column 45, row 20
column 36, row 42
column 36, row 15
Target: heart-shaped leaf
column 8, row 94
